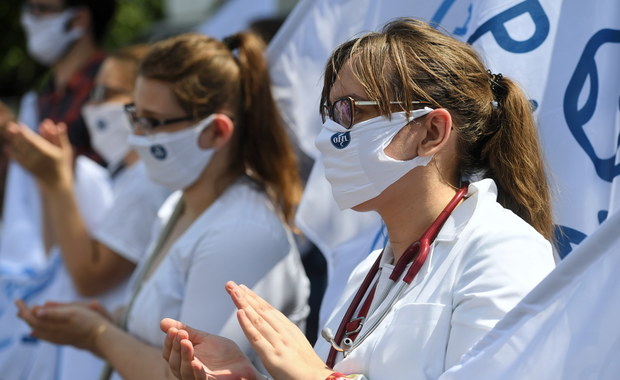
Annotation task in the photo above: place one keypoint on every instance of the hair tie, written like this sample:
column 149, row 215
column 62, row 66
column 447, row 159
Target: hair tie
column 232, row 42
column 497, row 88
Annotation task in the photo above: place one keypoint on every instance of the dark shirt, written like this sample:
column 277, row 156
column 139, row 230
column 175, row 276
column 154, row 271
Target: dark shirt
column 66, row 106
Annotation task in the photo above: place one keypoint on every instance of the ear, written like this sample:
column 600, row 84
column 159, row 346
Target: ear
column 435, row 131
column 218, row 133
column 81, row 19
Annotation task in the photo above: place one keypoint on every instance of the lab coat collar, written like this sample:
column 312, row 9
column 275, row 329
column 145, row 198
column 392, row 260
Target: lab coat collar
column 476, row 192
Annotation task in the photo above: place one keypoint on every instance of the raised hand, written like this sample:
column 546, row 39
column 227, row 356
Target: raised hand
column 282, row 347
column 196, row 355
column 48, row 158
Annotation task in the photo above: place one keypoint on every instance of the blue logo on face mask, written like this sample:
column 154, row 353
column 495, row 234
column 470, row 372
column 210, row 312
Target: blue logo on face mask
column 101, row 125
column 341, row 139
column 159, row 152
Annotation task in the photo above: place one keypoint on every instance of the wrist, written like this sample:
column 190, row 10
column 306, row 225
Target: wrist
column 341, row 376
column 97, row 337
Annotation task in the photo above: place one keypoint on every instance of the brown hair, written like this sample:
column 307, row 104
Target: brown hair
column 206, row 77
column 131, row 57
column 497, row 137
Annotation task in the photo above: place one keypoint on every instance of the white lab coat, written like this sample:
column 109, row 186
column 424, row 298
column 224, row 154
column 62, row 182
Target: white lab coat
column 240, row 238
column 482, row 263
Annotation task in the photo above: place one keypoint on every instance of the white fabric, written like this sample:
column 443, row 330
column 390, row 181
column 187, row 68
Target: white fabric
column 49, row 36
column 566, row 328
column 236, row 15
column 482, row 263
column 356, row 165
column 127, row 225
column 238, row 238
column 93, row 191
column 108, row 128
column 174, row 159
column 21, row 246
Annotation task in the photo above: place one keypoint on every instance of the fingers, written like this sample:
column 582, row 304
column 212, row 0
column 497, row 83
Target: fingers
column 198, row 370
column 166, row 350
column 168, row 323
column 186, row 354
column 254, row 305
column 255, row 335
column 63, row 136
column 172, row 352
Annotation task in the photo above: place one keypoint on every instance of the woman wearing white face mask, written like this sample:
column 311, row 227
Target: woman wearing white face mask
column 410, row 117
column 204, row 123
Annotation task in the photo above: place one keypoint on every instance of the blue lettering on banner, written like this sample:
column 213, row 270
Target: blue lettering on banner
column 462, row 30
column 565, row 237
column 341, row 140
column 159, row 152
column 576, row 118
column 497, row 26
column 441, row 12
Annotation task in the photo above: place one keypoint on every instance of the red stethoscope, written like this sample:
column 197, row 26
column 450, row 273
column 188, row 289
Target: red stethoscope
column 350, row 327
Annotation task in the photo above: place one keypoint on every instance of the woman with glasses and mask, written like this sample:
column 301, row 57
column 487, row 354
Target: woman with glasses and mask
column 96, row 254
column 204, row 123
column 447, row 153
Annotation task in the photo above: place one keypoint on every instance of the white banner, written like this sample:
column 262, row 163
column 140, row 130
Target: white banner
column 566, row 328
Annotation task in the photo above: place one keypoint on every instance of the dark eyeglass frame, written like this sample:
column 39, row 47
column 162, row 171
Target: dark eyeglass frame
column 37, row 9
column 327, row 110
column 101, row 93
column 148, row 124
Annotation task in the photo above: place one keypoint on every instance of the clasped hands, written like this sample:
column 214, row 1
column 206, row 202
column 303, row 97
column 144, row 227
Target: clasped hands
column 283, row 349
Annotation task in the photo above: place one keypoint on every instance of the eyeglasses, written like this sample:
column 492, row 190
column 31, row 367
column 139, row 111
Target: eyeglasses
column 343, row 110
column 101, row 93
column 148, row 124
column 40, row 9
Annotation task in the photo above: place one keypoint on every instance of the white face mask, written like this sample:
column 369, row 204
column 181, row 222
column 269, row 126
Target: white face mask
column 355, row 162
column 109, row 128
column 48, row 37
column 174, row 160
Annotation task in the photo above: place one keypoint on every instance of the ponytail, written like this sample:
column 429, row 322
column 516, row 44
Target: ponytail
column 513, row 157
column 263, row 148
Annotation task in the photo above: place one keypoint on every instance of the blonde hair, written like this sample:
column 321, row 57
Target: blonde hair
column 410, row 61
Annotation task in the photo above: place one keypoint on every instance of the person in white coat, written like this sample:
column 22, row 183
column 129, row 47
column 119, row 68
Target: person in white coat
column 204, row 122
column 447, row 153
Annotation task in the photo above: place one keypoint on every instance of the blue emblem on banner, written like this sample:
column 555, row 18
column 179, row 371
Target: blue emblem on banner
column 586, row 76
column 497, row 26
column 341, row 140
column 159, row 152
